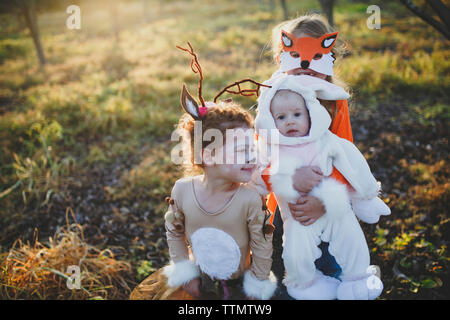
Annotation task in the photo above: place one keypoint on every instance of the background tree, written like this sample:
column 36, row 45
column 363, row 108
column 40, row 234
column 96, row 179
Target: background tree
column 27, row 10
column 285, row 9
column 327, row 8
column 435, row 7
column 283, row 6
column 114, row 13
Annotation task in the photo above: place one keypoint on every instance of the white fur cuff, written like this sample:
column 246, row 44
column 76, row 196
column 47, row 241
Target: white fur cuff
column 180, row 273
column 334, row 197
column 259, row 289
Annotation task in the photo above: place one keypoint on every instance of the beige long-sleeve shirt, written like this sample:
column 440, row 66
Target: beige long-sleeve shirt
column 242, row 218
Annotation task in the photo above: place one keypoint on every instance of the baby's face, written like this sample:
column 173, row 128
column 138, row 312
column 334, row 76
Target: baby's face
column 290, row 114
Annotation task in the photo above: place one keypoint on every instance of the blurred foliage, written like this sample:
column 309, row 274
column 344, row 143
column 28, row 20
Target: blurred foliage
column 144, row 269
column 92, row 129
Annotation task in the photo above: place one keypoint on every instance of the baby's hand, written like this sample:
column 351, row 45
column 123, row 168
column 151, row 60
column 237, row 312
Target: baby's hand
column 307, row 210
column 193, row 287
column 307, row 178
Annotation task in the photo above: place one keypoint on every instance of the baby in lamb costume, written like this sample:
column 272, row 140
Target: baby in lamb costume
column 292, row 130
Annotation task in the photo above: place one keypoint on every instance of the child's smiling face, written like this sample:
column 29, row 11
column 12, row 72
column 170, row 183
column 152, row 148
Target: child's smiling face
column 290, row 114
column 235, row 160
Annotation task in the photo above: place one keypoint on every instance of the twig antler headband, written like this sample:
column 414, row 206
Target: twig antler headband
column 196, row 68
column 188, row 102
column 243, row 92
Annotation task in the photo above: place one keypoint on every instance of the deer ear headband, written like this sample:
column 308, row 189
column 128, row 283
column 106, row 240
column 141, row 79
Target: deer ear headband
column 307, row 52
column 192, row 107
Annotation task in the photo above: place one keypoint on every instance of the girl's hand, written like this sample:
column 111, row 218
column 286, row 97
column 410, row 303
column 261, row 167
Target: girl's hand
column 193, row 287
column 307, row 210
column 307, row 178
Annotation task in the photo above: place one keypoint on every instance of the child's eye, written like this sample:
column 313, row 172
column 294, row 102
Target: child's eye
column 297, row 114
column 317, row 56
column 294, row 54
column 280, row 117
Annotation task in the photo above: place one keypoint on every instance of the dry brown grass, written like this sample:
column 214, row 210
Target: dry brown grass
column 38, row 271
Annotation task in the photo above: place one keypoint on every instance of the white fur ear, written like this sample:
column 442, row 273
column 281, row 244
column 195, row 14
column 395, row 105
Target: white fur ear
column 286, row 40
column 331, row 92
column 324, row 90
column 370, row 211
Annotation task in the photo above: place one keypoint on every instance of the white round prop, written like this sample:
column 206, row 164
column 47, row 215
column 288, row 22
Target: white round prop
column 216, row 252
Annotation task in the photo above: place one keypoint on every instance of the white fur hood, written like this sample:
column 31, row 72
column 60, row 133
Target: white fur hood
column 310, row 88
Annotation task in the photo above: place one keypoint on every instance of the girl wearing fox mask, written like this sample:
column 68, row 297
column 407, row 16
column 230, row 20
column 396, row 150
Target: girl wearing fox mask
column 307, row 46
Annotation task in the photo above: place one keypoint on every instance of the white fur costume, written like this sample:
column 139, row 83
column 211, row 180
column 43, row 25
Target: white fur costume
column 369, row 211
column 339, row 225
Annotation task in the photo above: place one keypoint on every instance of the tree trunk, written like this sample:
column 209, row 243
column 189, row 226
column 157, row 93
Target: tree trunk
column 442, row 28
column 442, row 11
column 285, row 10
column 115, row 19
column 145, row 10
column 29, row 13
column 20, row 22
column 327, row 8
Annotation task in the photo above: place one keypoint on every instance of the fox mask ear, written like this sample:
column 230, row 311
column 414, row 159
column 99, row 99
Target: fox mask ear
column 328, row 40
column 291, row 42
column 189, row 104
column 287, row 41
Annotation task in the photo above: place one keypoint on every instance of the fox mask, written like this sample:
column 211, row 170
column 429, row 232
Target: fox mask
column 307, row 52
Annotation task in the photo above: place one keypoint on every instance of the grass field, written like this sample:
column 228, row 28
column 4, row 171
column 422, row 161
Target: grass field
column 85, row 141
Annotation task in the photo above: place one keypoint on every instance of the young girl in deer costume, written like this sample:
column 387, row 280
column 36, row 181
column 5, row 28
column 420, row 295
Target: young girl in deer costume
column 214, row 220
column 305, row 46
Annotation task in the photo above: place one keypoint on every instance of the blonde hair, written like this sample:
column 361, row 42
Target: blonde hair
column 312, row 25
column 222, row 116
